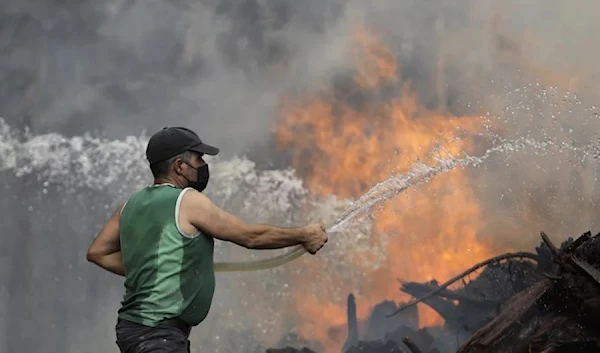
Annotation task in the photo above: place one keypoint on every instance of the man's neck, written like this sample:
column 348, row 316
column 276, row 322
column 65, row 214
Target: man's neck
column 167, row 180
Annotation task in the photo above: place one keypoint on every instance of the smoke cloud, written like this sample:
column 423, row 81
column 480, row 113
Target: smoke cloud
column 118, row 67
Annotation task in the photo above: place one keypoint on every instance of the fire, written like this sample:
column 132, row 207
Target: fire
column 344, row 149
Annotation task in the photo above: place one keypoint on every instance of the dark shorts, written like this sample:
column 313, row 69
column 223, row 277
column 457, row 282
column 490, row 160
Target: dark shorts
column 165, row 338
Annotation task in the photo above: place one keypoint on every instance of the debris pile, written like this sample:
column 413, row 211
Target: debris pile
column 557, row 314
column 543, row 302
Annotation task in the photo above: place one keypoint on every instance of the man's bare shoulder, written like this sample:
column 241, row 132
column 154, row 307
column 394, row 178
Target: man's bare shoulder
column 192, row 199
column 192, row 195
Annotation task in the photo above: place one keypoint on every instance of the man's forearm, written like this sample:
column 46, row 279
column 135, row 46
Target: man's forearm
column 264, row 236
column 112, row 263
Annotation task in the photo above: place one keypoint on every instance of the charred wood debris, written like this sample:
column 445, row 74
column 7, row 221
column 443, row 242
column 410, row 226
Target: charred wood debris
column 542, row 302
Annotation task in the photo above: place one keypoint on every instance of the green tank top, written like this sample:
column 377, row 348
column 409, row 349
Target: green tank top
column 169, row 274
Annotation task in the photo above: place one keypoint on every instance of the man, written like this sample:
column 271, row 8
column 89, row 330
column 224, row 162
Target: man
column 161, row 240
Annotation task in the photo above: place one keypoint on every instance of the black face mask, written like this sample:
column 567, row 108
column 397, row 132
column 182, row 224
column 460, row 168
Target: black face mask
column 202, row 174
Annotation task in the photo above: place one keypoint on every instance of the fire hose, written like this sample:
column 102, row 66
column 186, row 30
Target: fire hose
column 264, row 264
column 260, row 264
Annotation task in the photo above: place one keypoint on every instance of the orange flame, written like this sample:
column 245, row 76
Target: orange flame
column 344, row 150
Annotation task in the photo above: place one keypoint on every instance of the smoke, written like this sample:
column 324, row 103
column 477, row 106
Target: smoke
column 118, row 67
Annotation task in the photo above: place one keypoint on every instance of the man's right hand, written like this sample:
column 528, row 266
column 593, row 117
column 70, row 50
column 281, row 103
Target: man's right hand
column 317, row 237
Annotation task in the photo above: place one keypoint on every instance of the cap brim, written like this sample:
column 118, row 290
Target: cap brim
column 205, row 149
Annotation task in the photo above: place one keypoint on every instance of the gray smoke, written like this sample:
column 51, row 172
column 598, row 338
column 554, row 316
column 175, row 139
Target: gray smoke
column 118, row 67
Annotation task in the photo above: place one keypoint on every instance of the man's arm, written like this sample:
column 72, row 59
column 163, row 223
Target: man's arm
column 105, row 250
column 199, row 211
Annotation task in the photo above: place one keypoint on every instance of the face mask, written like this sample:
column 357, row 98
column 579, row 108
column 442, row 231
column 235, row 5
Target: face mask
column 202, row 174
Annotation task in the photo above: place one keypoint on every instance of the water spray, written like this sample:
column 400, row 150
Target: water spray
column 418, row 174
column 71, row 160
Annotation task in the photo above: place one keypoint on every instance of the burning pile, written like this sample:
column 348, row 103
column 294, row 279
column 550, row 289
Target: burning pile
column 555, row 309
column 558, row 314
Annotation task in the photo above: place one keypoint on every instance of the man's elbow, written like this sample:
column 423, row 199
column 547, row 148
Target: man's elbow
column 245, row 242
column 92, row 256
column 243, row 237
column 248, row 241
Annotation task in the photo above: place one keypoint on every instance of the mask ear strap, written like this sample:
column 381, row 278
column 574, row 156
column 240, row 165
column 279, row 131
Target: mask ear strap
column 189, row 165
column 184, row 177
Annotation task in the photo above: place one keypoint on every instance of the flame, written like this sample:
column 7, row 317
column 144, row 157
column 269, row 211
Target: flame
column 343, row 148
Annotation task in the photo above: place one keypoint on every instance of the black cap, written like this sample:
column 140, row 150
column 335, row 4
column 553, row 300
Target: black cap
column 171, row 141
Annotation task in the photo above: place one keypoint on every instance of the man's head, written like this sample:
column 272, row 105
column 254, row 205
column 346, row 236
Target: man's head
column 175, row 155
